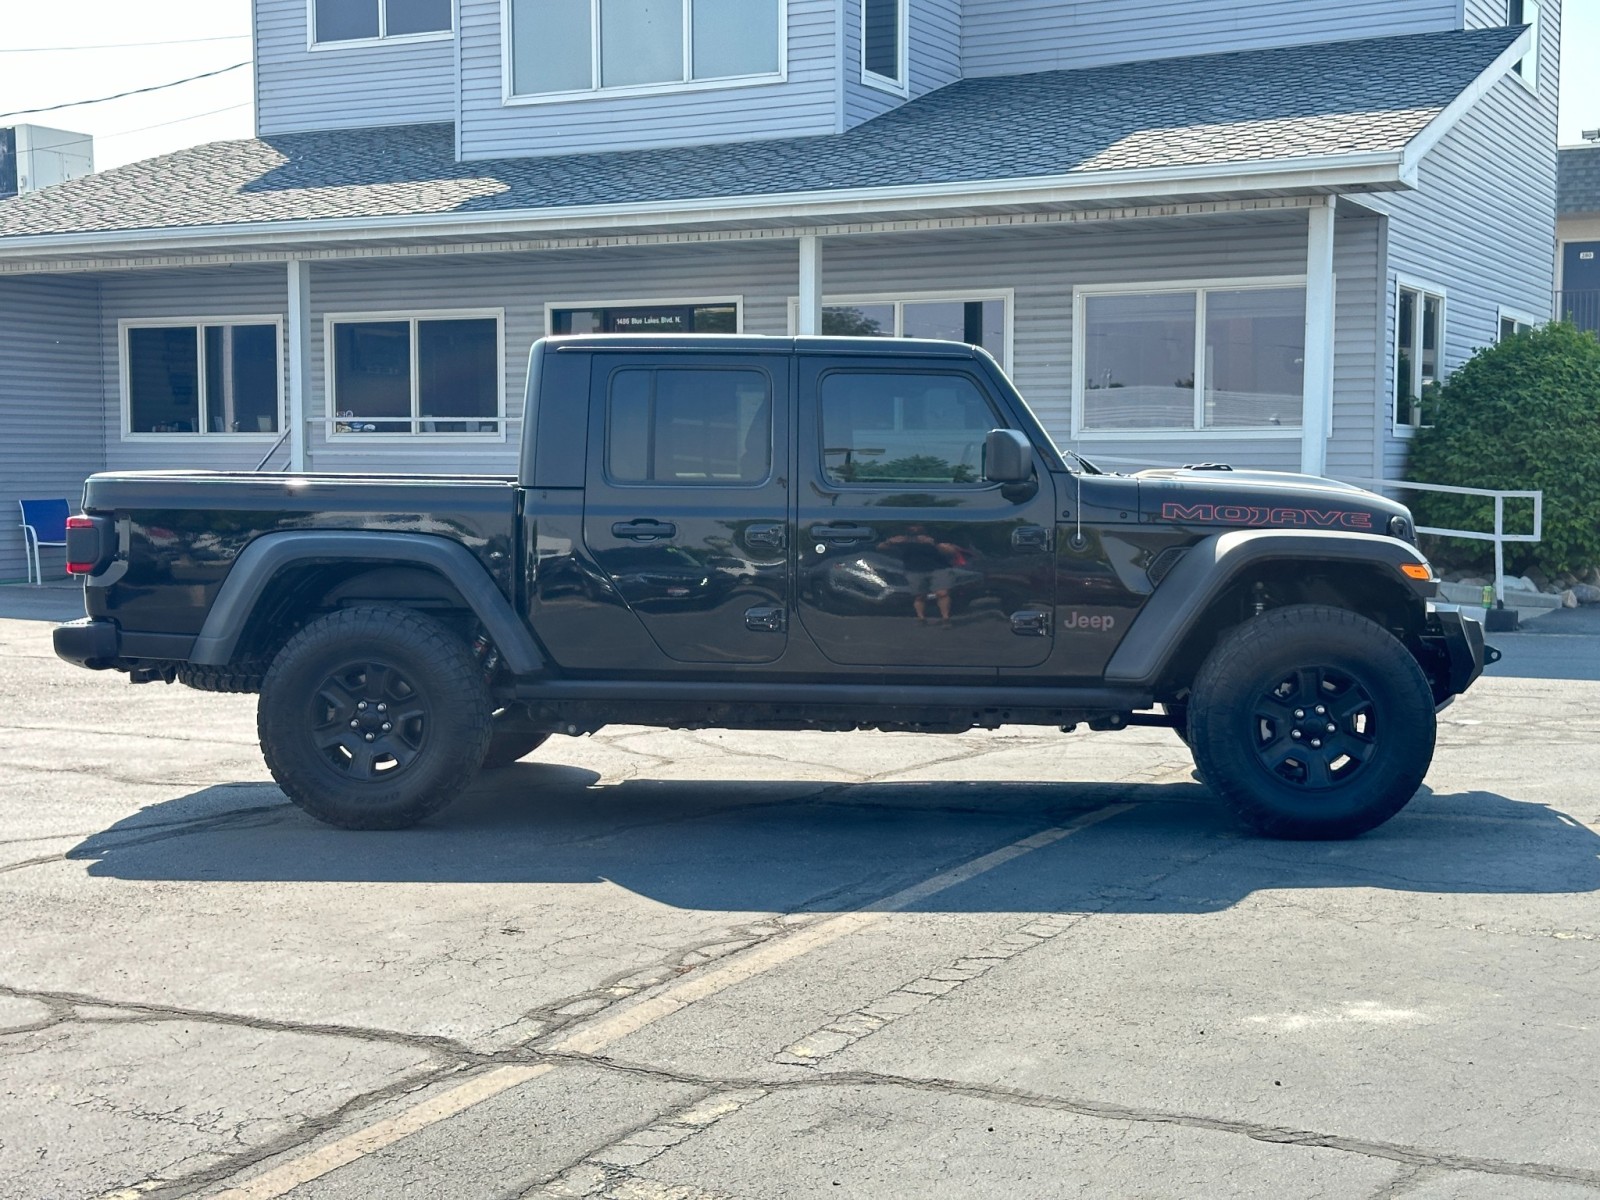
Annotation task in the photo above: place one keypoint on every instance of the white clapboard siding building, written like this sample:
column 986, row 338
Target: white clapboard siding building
column 1193, row 230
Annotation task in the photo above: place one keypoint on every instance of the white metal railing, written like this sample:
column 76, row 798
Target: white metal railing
column 1497, row 535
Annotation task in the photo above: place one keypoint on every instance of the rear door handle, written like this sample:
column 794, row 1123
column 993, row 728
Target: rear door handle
column 644, row 531
column 842, row 533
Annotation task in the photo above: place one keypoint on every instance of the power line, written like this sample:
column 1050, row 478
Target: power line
column 106, row 137
column 225, row 37
column 22, row 112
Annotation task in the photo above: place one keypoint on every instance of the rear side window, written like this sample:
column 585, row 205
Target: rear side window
column 880, row 427
column 689, row 425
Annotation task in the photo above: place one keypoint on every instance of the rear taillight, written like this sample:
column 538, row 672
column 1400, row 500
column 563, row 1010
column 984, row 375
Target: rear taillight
column 89, row 544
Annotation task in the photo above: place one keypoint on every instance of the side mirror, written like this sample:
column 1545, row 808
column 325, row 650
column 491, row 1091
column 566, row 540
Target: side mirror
column 1007, row 457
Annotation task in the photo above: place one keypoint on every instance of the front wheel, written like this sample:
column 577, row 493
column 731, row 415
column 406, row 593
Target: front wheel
column 1312, row 722
column 374, row 717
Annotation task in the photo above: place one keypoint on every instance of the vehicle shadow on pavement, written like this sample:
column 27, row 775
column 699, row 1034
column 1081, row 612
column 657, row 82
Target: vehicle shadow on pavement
column 780, row 846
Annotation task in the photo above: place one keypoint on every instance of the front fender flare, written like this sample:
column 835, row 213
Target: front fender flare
column 1212, row 564
column 265, row 558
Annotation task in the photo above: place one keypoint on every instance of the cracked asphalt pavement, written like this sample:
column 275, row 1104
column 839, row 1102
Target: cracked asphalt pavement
column 677, row 966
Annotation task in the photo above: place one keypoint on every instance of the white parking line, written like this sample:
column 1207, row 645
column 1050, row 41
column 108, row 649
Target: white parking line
column 608, row 1030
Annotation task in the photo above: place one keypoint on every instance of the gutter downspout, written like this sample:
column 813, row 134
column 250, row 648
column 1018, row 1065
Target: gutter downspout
column 1317, row 416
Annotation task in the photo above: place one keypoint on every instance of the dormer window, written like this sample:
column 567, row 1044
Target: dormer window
column 1526, row 12
column 340, row 22
column 883, row 44
column 557, row 48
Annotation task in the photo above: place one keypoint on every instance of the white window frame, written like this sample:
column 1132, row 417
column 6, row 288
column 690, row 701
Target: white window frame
column 1424, row 288
column 1008, row 296
column 1505, row 314
column 199, row 325
column 1526, row 68
column 510, row 97
column 383, row 38
column 354, row 441
column 1080, row 342
column 551, row 306
column 872, row 79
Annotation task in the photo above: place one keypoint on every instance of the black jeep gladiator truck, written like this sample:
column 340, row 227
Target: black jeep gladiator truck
column 783, row 534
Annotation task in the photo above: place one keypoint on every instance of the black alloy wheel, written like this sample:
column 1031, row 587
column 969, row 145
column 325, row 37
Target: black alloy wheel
column 369, row 719
column 374, row 717
column 1312, row 722
column 1316, row 728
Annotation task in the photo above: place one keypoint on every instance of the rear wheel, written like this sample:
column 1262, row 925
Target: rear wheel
column 374, row 717
column 1312, row 723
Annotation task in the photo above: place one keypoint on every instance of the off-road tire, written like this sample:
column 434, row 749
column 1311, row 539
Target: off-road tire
column 511, row 740
column 1254, row 748
column 242, row 678
column 433, row 698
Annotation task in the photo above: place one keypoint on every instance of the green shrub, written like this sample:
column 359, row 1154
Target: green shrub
column 1520, row 416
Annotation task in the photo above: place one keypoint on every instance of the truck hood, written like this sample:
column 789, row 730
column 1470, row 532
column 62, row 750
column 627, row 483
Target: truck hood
column 1263, row 499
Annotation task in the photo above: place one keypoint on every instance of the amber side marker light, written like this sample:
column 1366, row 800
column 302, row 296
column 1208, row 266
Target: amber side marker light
column 80, row 568
column 1416, row 571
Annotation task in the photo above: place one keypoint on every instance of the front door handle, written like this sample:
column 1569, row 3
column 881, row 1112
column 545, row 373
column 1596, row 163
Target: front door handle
column 644, row 531
column 773, row 536
column 842, row 534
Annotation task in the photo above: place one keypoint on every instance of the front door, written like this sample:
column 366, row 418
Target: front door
column 686, row 507
column 906, row 556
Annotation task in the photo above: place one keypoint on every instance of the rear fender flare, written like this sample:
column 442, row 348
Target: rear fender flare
column 1212, row 565
column 264, row 559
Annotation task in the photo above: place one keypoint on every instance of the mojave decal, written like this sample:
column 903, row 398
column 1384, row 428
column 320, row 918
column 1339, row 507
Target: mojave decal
column 1243, row 514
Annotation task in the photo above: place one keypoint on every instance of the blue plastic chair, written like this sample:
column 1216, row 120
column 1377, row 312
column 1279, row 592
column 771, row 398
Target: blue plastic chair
column 44, row 523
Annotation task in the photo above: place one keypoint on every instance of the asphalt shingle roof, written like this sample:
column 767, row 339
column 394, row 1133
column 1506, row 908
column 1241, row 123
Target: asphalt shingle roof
column 1298, row 102
column 1578, row 181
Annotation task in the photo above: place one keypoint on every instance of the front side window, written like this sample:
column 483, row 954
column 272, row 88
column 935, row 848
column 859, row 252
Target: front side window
column 588, row 45
column 1195, row 359
column 203, row 379
column 883, row 58
column 1526, row 12
column 366, row 20
column 412, row 375
column 1419, row 336
column 882, row 427
column 710, row 317
column 689, row 426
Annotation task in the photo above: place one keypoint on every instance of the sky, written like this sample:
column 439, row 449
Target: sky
column 64, row 51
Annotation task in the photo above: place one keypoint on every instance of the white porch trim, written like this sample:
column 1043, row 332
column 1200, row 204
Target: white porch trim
column 808, row 317
column 299, row 348
column 1316, row 422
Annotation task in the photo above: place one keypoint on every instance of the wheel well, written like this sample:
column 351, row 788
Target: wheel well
column 1369, row 590
column 303, row 591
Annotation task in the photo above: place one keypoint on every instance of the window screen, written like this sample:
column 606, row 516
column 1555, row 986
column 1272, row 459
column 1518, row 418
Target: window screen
column 881, row 427
column 689, row 426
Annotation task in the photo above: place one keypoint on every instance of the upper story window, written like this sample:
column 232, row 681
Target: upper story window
column 336, row 21
column 1526, row 12
column 883, row 43
column 559, row 47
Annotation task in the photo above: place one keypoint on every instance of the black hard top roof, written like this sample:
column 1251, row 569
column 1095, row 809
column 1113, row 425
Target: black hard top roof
column 703, row 343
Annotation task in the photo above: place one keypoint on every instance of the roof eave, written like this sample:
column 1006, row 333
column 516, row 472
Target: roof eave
column 1331, row 173
column 1435, row 130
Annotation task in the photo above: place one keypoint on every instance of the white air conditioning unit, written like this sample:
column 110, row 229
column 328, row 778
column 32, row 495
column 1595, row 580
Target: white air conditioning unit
column 33, row 157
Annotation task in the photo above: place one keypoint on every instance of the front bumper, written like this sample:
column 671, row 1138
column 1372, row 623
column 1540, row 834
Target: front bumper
column 91, row 642
column 1454, row 643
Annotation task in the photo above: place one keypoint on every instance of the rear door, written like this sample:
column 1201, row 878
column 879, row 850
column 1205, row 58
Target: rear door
column 686, row 506
column 906, row 557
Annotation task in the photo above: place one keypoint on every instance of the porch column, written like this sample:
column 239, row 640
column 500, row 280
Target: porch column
column 809, row 321
column 299, row 350
column 1317, row 417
